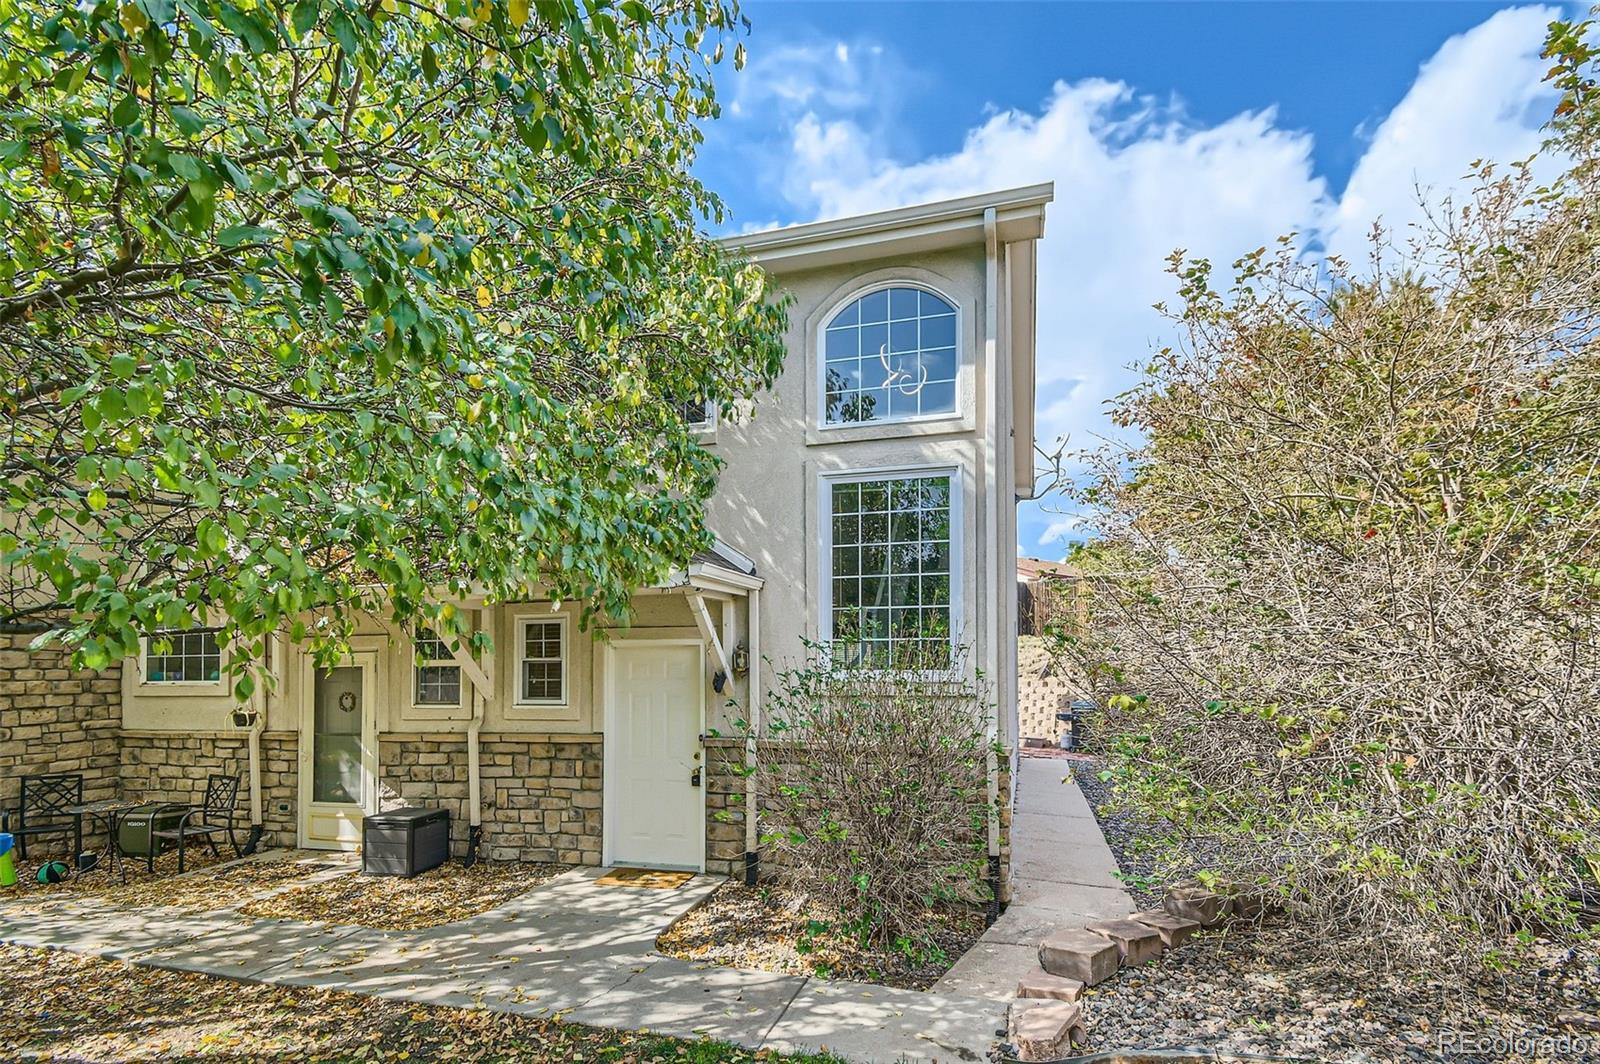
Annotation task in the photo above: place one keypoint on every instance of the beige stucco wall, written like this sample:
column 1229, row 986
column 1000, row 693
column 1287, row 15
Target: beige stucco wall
column 208, row 707
column 768, row 501
column 767, row 506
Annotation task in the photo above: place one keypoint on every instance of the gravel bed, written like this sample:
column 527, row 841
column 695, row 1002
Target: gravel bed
column 772, row 929
column 1134, row 839
column 1268, row 990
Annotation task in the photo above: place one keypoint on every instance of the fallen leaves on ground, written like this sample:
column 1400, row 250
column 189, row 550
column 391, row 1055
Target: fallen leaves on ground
column 63, row 1006
column 208, row 883
column 391, row 903
column 775, row 930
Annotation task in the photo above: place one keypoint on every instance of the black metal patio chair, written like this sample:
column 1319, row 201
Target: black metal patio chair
column 43, row 805
column 217, row 813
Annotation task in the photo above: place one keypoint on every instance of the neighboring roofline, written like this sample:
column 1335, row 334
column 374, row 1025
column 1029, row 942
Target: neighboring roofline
column 741, row 561
column 1019, row 215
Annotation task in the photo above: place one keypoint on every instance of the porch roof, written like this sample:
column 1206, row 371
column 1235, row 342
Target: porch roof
column 721, row 569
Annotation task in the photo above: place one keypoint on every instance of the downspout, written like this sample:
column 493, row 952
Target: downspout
column 258, row 724
column 991, row 515
column 752, row 854
column 474, row 779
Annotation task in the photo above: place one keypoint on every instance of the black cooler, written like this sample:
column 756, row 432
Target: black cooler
column 403, row 842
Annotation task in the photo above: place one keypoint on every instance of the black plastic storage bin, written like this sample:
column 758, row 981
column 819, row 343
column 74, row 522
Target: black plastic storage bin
column 403, row 842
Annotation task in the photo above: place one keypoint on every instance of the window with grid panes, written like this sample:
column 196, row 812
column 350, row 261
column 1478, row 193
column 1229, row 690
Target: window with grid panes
column 541, row 664
column 890, row 356
column 891, row 571
column 438, row 677
column 190, row 656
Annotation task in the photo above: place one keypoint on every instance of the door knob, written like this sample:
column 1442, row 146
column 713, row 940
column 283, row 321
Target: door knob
column 694, row 777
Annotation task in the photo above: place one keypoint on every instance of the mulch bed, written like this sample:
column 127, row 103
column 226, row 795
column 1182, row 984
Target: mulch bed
column 61, row 1006
column 1268, row 989
column 772, row 929
column 274, row 886
column 203, row 887
column 390, row 903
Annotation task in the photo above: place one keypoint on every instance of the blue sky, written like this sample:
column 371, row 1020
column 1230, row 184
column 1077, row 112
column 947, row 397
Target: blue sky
column 1208, row 126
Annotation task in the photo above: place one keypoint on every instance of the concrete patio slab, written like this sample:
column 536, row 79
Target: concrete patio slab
column 990, row 969
column 880, row 1025
column 1037, row 908
column 103, row 931
column 569, row 946
column 1064, row 877
column 244, row 951
column 687, row 1000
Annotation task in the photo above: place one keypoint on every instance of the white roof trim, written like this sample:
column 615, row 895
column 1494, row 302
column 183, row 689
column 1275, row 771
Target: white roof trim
column 1019, row 215
column 708, row 578
column 740, row 560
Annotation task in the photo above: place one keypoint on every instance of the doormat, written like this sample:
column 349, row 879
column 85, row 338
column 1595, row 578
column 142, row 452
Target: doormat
column 654, row 878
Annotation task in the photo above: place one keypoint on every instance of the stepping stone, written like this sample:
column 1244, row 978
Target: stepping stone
column 1246, row 906
column 1050, row 987
column 1044, row 1030
column 1195, row 903
column 1080, row 955
column 1136, row 942
column 1174, row 930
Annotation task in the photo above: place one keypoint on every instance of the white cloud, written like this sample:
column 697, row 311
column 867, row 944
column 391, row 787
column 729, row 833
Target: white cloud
column 1133, row 181
column 1481, row 96
column 1135, row 178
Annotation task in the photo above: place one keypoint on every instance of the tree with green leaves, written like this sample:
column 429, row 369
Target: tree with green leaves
column 1345, row 594
column 315, row 310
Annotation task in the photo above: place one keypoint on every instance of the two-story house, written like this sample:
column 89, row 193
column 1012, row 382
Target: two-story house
column 904, row 416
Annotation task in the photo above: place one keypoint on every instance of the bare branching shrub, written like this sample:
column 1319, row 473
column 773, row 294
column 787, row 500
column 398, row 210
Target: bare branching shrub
column 1345, row 594
column 874, row 791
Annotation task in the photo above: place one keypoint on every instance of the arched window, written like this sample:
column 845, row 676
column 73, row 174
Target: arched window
column 890, row 356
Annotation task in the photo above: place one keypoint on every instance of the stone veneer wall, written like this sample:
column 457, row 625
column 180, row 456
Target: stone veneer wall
column 541, row 793
column 426, row 768
column 56, row 719
column 541, row 797
column 1008, row 801
column 173, row 766
column 725, row 782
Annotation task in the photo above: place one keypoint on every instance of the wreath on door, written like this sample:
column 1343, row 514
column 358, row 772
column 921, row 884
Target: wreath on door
column 347, row 701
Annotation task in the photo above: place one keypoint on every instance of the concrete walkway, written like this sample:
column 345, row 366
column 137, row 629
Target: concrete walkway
column 1064, row 877
column 568, row 946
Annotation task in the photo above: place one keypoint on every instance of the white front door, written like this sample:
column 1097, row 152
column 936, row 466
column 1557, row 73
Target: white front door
column 338, row 754
column 655, row 813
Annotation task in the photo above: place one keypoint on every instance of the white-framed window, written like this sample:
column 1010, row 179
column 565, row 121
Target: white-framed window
column 436, row 676
column 542, row 661
column 189, row 655
column 891, row 354
column 892, row 546
column 698, row 414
